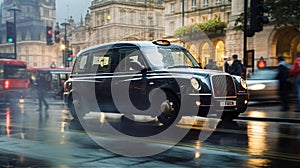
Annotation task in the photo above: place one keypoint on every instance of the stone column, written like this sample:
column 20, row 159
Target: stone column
column 234, row 38
column 237, row 7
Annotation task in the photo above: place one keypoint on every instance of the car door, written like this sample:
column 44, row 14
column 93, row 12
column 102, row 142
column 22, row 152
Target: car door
column 129, row 82
column 101, row 67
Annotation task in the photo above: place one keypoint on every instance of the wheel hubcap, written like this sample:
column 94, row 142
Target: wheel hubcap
column 166, row 107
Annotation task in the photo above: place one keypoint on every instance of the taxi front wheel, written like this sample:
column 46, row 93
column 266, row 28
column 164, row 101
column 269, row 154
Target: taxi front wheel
column 168, row 107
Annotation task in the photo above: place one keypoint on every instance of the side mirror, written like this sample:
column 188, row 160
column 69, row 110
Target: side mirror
column 200, row 65
column 136, row 65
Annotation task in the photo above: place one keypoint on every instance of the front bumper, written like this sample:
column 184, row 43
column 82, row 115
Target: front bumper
column 206, row 103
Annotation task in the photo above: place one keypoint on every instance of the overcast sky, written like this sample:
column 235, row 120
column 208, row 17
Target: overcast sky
column 75, row 8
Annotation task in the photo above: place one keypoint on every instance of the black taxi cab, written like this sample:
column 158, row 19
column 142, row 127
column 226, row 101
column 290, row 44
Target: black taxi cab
column 153, row 78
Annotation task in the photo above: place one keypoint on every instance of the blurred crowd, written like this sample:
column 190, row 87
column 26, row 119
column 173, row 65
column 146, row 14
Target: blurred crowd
column 288, row 76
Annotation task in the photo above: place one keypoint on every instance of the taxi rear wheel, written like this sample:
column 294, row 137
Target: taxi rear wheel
column 75, row 108
column 168, row 108
column 72, row 108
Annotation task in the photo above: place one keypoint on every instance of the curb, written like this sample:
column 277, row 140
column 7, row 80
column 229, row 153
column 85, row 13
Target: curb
column 289, row 120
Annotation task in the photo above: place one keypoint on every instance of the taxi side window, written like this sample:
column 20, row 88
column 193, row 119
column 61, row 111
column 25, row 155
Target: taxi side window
column 80, row 65
column 128, row 55
column 101, row 61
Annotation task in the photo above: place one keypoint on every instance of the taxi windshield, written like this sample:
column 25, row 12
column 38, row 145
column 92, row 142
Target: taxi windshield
column 169, row 57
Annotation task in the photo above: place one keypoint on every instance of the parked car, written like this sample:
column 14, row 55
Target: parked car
column 103, row 74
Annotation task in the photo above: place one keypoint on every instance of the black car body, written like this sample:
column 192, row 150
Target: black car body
column 150, row 78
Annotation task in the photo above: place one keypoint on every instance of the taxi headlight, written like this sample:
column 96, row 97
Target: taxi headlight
column 244, row 84
column 195, row 83
column 257, row 87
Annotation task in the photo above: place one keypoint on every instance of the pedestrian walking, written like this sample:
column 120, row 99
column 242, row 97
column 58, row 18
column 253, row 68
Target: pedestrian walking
column 226, row 65
column 295, row 73
column 211, row 64
column 236, row 67
column 284, row 83
column 41, row 92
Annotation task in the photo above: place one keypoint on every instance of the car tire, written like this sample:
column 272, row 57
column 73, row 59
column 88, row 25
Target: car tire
column 75, row 109
column 72, row 108
column 168, row 108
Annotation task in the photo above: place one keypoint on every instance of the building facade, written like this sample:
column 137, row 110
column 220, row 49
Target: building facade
column 31, row 22
column 203, row 48
column 110, row 21
column 269, row 43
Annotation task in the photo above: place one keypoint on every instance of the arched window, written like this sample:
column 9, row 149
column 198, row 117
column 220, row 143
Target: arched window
column 220, row 52
column 193, row 51
column 205, row 54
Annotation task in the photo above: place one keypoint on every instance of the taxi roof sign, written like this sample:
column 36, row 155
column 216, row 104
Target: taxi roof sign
column 161, row 42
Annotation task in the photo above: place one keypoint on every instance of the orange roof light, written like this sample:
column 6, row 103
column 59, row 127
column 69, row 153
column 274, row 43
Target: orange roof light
column 161, row 42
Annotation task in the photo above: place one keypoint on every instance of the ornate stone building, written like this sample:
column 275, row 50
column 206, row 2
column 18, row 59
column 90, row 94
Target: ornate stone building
column 110, row 21
column 202, row 47
column 269, row 43
column 31, row 22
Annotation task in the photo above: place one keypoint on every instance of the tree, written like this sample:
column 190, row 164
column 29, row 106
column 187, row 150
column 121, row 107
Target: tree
column 281, row 12
column 284, row 12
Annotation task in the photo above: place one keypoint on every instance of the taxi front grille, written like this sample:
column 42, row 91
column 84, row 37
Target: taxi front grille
column 223, row 86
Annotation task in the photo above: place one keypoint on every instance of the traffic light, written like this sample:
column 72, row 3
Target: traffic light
column 10, row 32
column 257, row 18
column 49, row 35
column 57, row 36
column 70, row 55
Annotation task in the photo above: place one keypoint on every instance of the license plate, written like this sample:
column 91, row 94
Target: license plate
column 227, row 103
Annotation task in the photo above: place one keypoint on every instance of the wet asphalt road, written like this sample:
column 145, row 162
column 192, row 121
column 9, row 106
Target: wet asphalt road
column 262, row 137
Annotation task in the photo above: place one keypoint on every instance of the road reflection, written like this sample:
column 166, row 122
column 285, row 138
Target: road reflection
column 221, row 131
column 251, row 143
column 257, row 132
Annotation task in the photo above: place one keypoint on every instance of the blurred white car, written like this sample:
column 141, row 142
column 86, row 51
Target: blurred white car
column 263, row 85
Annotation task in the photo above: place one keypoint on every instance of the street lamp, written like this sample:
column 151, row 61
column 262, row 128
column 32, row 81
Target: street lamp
column 66, row 45
column 62, row 47
column 15, row 9
column 182, row 1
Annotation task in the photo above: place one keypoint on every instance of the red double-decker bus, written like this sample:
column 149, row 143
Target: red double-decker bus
column 13, row 79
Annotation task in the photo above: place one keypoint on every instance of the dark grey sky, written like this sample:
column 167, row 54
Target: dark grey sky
column 75, row 8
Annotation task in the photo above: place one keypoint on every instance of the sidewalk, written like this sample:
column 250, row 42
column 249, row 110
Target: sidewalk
column 267, row 112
